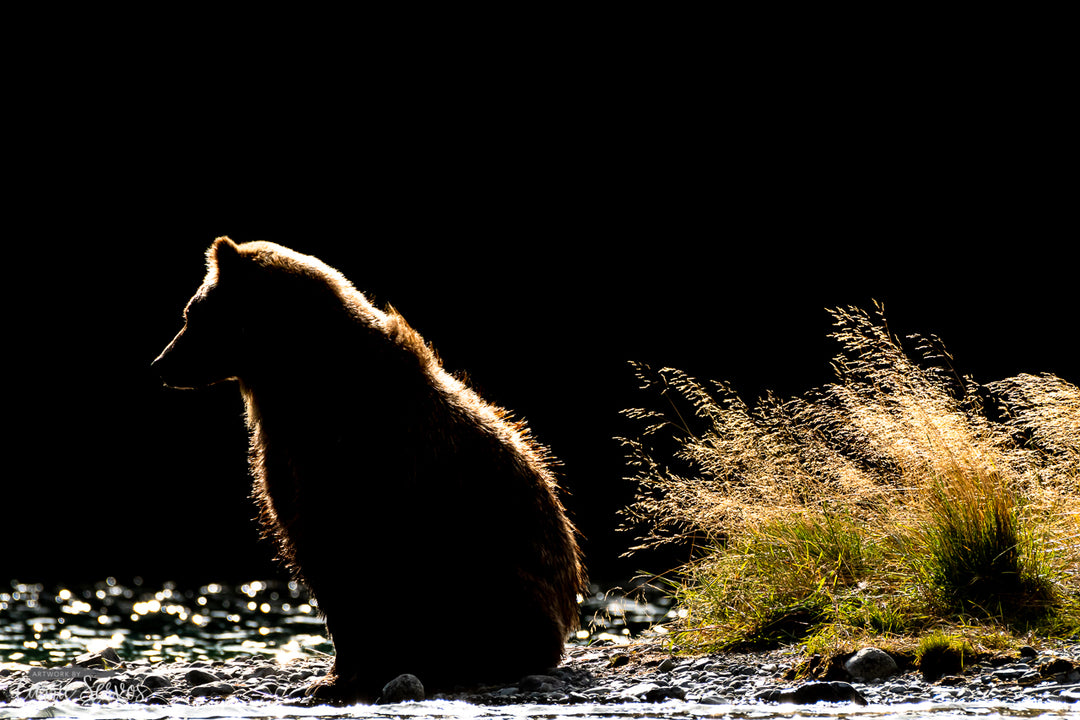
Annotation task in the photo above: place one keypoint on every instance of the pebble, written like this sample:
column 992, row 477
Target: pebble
column 155, row 681
column 212, row 689
column 75, row 688
column 871, row 664
column 814, row 692
column 644, row 673
column 403, row 688
column 198, row 676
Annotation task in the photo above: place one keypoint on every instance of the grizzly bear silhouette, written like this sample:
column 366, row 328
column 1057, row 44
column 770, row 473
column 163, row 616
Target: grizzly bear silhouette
column 426, row 522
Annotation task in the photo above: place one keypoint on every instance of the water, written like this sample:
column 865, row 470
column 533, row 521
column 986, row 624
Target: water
column 49, row 627
column 465, row 711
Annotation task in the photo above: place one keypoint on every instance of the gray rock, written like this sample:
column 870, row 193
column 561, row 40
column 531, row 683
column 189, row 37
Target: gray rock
column 156, row 680
column 260, row 671
column 107, row 658
column 403, row 688
column 664, row 692
column 268, row 687
column 871, row 664
column 815, row 692
column 653, row 692
column 75, row 688
column 212, row 689
column 638, row 691
column 200, row 677
column 713, row 700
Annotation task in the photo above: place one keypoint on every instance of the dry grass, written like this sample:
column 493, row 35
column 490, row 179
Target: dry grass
column 900, row 497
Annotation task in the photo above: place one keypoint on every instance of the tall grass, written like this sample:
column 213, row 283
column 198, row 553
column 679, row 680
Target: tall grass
column 899, row 496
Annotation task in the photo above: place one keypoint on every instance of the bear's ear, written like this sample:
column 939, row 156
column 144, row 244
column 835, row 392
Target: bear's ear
column 223, row 252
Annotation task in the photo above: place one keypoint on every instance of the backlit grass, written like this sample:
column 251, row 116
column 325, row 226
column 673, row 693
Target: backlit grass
column 899, row 498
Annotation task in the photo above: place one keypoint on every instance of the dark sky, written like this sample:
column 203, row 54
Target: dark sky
column 131, row 478
column 538, row 251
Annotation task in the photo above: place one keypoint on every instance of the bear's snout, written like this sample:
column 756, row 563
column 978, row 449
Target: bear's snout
column 164, row 367
column 175, row 370
column 194, row 360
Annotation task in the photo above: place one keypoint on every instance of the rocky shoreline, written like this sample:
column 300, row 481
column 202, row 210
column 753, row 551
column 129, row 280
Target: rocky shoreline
column 599, row 674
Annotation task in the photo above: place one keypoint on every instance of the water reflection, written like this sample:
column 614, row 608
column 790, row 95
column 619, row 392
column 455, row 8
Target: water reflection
column 44, row 626
column 447, row 710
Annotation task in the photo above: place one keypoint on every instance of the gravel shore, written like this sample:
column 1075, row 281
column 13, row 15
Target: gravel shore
column 600, row 674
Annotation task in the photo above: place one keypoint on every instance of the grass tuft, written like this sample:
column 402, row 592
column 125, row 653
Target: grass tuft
column 940, row 654
column 901, row 497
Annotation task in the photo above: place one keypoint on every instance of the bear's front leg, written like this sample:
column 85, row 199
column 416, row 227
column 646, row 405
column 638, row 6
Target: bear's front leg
column 341, row 687
column 355, row 675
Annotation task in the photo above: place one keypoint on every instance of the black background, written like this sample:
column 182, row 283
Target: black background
column 541, row 228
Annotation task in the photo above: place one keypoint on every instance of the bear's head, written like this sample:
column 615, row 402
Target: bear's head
column 207, row 349
column 259, row 308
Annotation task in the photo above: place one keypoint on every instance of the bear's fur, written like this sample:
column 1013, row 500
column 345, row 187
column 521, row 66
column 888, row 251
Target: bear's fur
column 418, row 515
